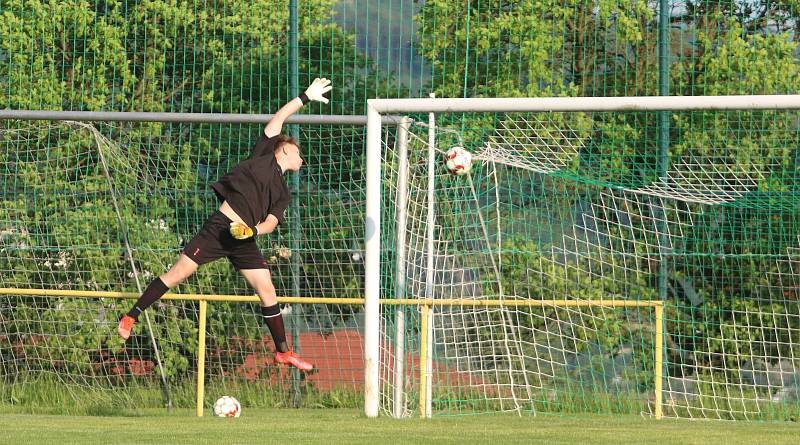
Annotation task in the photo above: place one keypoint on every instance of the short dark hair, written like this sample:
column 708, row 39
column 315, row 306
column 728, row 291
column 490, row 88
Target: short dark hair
column 282, row 139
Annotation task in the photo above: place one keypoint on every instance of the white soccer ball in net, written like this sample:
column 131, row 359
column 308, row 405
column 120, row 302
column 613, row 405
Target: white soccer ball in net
column 458, row 160
column 227, row 406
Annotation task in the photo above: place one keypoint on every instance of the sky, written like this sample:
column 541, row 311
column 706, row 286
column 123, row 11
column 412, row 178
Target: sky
column 385, row 30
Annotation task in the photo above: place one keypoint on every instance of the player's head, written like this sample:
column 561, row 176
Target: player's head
column 287, row 153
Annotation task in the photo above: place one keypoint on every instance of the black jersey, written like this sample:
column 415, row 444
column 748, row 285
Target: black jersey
column 255, row 188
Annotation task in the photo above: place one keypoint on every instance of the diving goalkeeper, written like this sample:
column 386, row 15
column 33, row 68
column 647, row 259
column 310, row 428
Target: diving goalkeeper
column 254, row 198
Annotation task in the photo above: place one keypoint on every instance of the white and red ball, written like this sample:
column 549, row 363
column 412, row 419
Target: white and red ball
column 227, row 406
column 458, row 160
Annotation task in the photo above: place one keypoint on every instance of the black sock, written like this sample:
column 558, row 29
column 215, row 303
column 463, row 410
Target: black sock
column 274, row 321
column 154, row 291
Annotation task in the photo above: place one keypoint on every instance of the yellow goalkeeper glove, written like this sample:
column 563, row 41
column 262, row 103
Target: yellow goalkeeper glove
column 242, row 231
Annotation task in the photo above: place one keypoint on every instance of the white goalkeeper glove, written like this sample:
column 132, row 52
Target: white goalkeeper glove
column 317, row 89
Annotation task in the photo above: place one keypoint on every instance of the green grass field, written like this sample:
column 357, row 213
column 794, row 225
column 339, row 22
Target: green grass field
column 339, row 426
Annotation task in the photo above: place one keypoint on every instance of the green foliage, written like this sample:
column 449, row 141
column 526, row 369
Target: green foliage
column 77, row 202
column 528, row 48
column 162, row 55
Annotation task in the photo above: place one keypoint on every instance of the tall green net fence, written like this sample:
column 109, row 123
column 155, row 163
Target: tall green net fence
column 107, row 207
column 576, row 203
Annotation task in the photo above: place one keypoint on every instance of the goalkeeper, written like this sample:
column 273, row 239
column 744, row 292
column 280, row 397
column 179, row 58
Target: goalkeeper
column 254, row 198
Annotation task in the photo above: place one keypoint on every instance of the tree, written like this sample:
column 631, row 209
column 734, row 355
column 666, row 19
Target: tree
column 86, row 192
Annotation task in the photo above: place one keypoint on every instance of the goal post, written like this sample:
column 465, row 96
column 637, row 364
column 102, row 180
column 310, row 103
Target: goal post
column 616, row 213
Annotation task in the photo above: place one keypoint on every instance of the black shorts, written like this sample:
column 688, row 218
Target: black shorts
column 215, row 241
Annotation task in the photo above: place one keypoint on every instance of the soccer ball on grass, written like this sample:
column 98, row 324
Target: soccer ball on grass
column 458, row 161
column 227, row 406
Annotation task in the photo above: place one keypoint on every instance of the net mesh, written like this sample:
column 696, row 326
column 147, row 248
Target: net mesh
column 559, row 207
column 729, row 177
column 108, row 206
column 570, row 206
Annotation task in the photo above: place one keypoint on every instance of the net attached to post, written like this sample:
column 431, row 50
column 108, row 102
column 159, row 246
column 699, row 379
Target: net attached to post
column 106, row 207
column 580, row 217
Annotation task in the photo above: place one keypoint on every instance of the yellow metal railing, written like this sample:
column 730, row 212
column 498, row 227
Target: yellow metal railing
column 425, row 307
column 201, row 358
column 423, row 361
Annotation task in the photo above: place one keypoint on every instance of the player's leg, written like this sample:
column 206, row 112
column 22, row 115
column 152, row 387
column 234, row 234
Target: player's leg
column 181, row 270
column 205, row 247
column 261, row 281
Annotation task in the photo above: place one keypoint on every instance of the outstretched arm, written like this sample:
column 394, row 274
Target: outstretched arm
column 275, row 124
column 315, row 91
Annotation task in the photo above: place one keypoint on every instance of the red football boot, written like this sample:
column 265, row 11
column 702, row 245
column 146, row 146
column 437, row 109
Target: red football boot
column 125, row 326
column 290, row 358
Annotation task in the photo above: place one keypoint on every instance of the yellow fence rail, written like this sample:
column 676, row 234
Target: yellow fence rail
column 425, row 307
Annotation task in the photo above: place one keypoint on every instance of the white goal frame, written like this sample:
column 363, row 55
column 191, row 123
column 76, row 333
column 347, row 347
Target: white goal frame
column 377, row 108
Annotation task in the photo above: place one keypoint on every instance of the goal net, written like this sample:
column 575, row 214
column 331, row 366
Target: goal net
column 91, row 209
column 565, row 219
column 536, row 281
